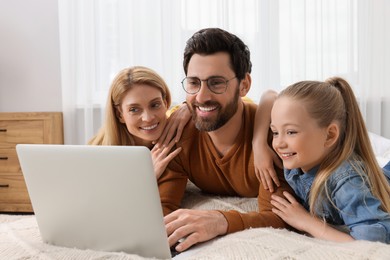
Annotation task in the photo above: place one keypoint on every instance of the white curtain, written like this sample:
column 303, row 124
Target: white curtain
column 290, row 40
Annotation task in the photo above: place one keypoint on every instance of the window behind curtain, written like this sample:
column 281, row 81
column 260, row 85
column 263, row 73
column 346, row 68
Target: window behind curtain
column 289, row 40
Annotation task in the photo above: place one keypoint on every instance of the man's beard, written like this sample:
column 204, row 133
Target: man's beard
column 223, row 116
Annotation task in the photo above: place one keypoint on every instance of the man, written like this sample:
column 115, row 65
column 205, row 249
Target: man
column 217, row 154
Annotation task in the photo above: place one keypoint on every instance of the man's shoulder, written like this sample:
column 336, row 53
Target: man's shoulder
column 249, row 107
column 249, row 114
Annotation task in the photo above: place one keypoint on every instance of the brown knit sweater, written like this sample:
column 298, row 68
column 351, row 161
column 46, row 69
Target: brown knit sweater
column 230, row 175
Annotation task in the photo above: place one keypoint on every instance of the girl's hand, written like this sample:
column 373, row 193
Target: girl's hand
column 296, row 216
column 292, row 212
column 264, row 159
column 176, row 123
column 161, row 156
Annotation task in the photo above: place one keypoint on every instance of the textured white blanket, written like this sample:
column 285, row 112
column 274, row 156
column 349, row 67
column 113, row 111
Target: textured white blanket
column 20, row 239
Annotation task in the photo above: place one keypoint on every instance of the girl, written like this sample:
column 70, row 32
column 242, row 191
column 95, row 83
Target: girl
column 319, row 133
column 136, row 114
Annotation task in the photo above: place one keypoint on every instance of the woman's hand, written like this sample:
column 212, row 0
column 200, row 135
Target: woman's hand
column 176, row 123
column 161, row 156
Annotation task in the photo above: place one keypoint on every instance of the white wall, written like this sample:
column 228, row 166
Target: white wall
column 29, row 56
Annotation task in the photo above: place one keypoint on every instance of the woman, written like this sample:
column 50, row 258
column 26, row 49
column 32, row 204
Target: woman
column 136, row 114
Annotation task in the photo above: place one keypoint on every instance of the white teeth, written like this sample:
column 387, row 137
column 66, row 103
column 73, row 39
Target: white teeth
column 287, row 154
column 149, row 127
column 207, row 109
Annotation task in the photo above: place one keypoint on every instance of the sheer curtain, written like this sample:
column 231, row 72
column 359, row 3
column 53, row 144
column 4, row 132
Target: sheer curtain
column 290, row 40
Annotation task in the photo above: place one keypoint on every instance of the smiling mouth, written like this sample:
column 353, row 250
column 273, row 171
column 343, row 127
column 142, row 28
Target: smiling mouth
column 207, row 109
column 286, row 155
column 149, row 127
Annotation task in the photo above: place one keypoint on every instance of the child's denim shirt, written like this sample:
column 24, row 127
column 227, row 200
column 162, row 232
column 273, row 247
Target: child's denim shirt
column 357, row 208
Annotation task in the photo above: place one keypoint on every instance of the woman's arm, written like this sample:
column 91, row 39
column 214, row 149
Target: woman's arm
column 161, row 152
column 177, row 120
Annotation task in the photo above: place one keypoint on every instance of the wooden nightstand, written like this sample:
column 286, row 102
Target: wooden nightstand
column 18, row 128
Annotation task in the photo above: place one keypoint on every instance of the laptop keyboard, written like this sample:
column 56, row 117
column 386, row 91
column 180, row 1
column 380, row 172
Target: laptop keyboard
column 173, row 250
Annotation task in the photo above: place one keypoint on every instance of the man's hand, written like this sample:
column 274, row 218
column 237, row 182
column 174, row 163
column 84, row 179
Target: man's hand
column 194, row 226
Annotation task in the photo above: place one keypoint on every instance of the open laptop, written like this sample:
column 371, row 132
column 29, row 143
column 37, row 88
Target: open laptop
column 95, row 197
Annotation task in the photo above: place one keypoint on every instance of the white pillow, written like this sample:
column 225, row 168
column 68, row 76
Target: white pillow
column 381, row 147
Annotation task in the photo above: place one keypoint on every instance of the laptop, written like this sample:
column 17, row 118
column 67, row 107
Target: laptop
column 95, row 197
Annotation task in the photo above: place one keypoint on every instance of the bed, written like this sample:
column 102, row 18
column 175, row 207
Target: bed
column 20, row 238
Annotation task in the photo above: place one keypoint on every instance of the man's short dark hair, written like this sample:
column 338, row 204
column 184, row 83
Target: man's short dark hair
column 212, row 40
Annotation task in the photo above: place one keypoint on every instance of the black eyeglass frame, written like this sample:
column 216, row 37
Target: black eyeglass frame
column 207, row 83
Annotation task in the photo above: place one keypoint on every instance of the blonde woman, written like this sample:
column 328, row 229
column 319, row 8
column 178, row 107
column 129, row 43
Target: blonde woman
column 136, row 114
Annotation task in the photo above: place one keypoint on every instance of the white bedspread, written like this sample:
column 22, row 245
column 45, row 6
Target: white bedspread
column 20, row 237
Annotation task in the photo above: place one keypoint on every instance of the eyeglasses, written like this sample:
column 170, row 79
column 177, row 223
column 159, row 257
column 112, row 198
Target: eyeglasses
column 217, row 85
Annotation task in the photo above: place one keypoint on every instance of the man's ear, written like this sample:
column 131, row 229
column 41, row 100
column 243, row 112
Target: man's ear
column 333, row 133
column 119, row 115
column 245, row 85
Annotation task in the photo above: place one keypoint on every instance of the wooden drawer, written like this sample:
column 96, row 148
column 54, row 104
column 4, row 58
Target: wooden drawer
column 14, row 195
column 14, row 132
column 9, row 162
column 22, row 128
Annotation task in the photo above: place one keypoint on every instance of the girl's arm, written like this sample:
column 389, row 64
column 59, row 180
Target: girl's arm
column 296, row 216
column 359, row 209
column 264, row 156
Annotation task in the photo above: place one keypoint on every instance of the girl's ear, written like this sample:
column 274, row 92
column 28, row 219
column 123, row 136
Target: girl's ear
column 245, row 85
column 333, row 133
column 119, row 115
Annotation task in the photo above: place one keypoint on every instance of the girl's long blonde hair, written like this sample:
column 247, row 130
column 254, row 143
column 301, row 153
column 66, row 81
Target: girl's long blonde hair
column 113, row 132
column 334, row 101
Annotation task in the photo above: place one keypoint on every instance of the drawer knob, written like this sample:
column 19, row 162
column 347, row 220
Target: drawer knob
column 4, row 185
column 3, row 130
column 3, row 158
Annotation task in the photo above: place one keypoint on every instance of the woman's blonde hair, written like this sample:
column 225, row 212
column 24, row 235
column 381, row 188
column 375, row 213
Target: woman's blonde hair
column 113, row 132
column 334, row 101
